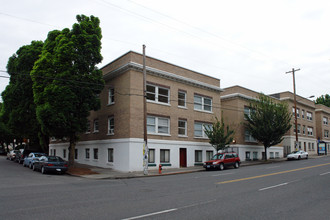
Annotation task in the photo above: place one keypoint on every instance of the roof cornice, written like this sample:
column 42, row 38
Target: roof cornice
column 160, row 73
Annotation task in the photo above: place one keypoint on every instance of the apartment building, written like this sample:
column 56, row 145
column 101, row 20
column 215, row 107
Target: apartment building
column 322, row 115
column 306, row 124
column 180, row 102
column 235, row 101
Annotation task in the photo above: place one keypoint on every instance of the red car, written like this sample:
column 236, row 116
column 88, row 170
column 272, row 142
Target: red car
column 222, row 160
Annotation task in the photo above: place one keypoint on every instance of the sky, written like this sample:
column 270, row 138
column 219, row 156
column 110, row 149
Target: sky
column 248, row 43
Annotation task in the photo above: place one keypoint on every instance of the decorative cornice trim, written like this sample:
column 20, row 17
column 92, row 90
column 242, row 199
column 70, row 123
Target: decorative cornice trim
column 238, row 95
column 160, row 73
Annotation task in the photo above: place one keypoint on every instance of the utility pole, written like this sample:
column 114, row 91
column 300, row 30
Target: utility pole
column 145, row 144
column 295, row 104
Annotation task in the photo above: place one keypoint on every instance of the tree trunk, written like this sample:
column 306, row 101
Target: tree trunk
column 265, row 153
column 72, row 148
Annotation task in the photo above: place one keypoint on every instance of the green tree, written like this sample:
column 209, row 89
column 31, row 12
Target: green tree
column 67, row 81
column 324, row 100
column 220, row 136
column 6, row 136
column 268, row 121
column 19, row 107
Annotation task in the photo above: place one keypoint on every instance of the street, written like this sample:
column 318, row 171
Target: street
column 284, row 190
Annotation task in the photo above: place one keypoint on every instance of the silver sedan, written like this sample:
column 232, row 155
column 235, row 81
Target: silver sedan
column 297, row 155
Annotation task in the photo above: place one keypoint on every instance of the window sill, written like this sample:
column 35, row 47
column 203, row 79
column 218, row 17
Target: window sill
column 166, row 135
column 183, row 107
column 182, row 136
column 95, row 132
column 209, row 112
column 159, row 103
column 110, row 164
column 203, row 138
column 109, row 104
column 111, row 134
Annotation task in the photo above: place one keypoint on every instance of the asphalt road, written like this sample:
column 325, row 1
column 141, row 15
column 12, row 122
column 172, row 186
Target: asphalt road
column 285, row 190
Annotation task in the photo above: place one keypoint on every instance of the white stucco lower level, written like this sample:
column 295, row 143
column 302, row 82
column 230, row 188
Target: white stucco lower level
column 128, row 153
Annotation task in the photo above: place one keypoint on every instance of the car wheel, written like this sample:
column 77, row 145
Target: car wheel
column 221, row 166
column 307, row 157
column 34, row 168
column 43, row 171
column 236, row 165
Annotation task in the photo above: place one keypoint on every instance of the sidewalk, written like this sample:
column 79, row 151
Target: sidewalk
column 92, row 172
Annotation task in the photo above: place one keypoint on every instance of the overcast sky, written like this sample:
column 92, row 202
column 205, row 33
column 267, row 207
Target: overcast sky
column 249, row 43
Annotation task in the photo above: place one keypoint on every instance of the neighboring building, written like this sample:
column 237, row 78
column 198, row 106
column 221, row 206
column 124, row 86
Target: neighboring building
column 235, row 102
column 322, row 115
column 306, row 120
column 179, row 103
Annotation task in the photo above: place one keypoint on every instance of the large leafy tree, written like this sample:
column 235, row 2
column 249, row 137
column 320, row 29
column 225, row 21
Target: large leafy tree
column 19, row 111
column 219, row 134
column 5, row 135
column 268, row 121
column 324, row 100
column 67, row 81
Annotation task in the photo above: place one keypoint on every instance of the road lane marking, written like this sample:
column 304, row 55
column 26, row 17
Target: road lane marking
column 271, row 187
column 222, row 174
column 150, row 214
column 324, row 173
column 273, row 167
column 272, row 174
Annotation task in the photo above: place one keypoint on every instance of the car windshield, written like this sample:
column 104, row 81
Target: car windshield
column 217, row 157
column 55, row 159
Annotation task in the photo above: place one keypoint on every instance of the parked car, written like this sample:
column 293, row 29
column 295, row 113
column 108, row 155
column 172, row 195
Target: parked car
column 31, row 158
column 50, row 164
column 11, row 155
column 222, row 160
column 297, row 155
column 3, row 151
column 19, row 156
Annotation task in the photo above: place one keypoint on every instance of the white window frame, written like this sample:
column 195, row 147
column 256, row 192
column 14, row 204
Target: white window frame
column 110, row 155
column 111, row 125
column 182, row 99
column 156, row 94
column 309, row 116
column 202, row 103
column 309, row 131
column 325, row 121
column 87, row 153
column 185, row 128
column 248, row 137
column 151, row 156
column 302, row 113
column 88, row 129
column 96, row 125
column 157, row 125
column 111, row 96
column 202, row 124
column 198, row 156
column 326, row 133
column 95, row 153
column 167, row 156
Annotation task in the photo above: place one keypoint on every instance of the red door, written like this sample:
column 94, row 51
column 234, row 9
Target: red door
column 183, row 157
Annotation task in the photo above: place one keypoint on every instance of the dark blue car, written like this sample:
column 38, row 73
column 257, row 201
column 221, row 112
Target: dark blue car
column 48, row 164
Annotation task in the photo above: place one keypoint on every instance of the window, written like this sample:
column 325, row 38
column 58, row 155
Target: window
column 182, row 128
column 248, row 137
column 76, row 154
column 88, row 127
column 312, row 146
column 325, row 120
column 199, row 129
column 111, row 125
column 277, row 155
column 96, row 153
column 96, row 125
column 326, row 133
column 182, row 99
column 202, row 103
column 248, row 155
column 302, row 113
column 164, row 156
column 64, row 153
column 309, row 131
column 158, row 125
column 209, row 155
column 298, row 115
column 158, row 94
column 309, row 116
column 271, row 155
column 255, row 155
column 87, row 153
column 110, row 155
column 298, row 129
column 304, row 129
column 247, row 111
column 309, row 146
column 198, row 156
column 111, row 99
column 151, row 156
